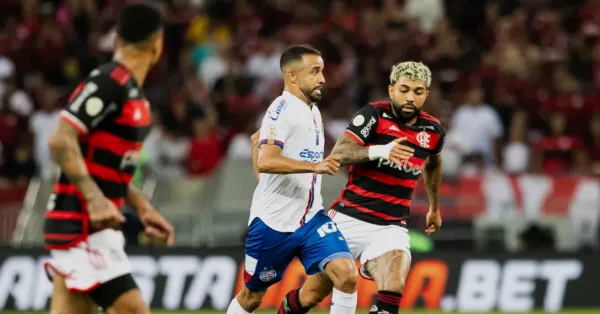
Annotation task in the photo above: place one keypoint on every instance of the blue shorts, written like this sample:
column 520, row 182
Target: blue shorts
column 269, row 252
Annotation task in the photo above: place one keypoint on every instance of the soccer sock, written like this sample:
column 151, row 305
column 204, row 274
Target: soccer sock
column 386, row 301
column 343, row 303
column 236, row 308
column 291, row 304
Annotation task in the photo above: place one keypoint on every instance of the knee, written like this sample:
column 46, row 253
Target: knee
column 249, row 300
column 346, row 279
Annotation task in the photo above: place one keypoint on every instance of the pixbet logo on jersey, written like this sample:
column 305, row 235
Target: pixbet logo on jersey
column 405, row 166
column 311, row 155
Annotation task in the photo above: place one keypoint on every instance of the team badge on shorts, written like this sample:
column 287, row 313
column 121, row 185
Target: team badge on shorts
column 268, row 275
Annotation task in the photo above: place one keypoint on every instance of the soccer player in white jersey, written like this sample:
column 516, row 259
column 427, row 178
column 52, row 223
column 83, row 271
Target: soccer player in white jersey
column 287, row 217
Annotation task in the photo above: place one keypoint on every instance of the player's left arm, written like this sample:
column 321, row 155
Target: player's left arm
column 432, row 175
column 156, row 226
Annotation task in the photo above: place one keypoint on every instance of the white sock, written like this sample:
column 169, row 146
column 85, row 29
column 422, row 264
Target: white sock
column 235, row 307
column 343, row 303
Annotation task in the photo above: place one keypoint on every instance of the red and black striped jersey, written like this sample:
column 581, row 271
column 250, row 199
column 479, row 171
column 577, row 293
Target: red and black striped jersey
column 380, row 191
column 113, row 118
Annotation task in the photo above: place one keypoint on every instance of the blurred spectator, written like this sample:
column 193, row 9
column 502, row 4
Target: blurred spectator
column 479, row 124
column 537, row 238
column 41, row 125
column 558, row 153
column 594, row 144
column 516, row 154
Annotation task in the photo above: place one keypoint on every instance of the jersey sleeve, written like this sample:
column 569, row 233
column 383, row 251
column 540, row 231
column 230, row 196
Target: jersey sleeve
column 276, row 126
column 91, row 102
column 441, row 142
column 363, row 125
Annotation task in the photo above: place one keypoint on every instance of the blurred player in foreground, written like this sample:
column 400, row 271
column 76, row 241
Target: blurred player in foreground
column 387, row 145
column 287, row 217
column 96, row 146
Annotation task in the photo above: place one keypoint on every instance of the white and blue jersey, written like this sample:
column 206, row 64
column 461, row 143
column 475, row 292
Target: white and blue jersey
column 287, row 218
column 287, row 201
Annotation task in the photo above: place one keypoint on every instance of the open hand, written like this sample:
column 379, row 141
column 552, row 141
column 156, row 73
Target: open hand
column 400, row 152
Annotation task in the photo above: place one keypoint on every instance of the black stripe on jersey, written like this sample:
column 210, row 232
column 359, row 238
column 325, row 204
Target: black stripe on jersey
column 377, row 205
column 113, row 190
column 107, row 159
column 366, row 217
column 126, row 132
column 375, row 186
column 62, row 226
column 68, row 202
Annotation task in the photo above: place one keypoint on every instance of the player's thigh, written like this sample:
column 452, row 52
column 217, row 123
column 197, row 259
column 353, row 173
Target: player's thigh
column 120, row 295
column 315, row 289
column 387, row 258
column 131, row 302
column 268, row 254
column 322, row 243
column 65, row 301
column 356, row 233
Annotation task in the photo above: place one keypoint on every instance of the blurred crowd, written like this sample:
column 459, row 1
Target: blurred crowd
column 516, row 82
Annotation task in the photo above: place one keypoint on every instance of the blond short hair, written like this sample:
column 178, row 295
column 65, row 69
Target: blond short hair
column 414, row 71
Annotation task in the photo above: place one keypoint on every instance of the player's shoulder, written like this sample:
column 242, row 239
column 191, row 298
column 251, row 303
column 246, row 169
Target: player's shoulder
column 110, row 74
column 430, row 122
column 279, row 109
column 379, row 106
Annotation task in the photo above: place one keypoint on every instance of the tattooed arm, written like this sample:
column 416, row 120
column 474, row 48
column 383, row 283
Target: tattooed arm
column 353, row 153
column 350, row 150
column 65, row 151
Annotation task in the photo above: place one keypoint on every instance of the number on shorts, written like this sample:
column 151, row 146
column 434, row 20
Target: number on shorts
column 51, row 202
column 326, row 229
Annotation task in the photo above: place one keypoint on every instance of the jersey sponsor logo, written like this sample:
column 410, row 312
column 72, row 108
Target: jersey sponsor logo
column 358, row 120
column 280, row 107
column 308, row 155
column 367, row 129
column 405, row 166
column 423, row 139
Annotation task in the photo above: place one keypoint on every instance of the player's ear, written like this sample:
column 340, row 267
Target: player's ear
column 391, row 91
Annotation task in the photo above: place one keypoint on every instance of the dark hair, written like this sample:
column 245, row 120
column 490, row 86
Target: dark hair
column 137, row 22
column 295, row 53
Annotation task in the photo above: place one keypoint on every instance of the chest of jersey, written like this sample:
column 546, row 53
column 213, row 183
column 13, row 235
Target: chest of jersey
column 423, row 138
column 308, row 137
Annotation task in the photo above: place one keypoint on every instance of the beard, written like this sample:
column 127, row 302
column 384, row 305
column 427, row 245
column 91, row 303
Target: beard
column 403, row 116
column 314, row 94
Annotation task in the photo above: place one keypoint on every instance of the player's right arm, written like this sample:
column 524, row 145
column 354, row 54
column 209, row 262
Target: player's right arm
column 353, row 146
column 273, row 134
column 88, row 105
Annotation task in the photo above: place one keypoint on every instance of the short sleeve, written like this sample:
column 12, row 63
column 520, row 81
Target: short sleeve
column 276, row 126
column 363, row 125
column 441, row 142
column 91, row 102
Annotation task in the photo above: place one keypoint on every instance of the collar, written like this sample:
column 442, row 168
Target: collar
column 292, row 98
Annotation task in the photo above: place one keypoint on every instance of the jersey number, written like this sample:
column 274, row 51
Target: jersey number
column 86, row 91
column 326, row 229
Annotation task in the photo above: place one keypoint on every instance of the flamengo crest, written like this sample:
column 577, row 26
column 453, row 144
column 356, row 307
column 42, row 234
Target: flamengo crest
column 423, row 139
